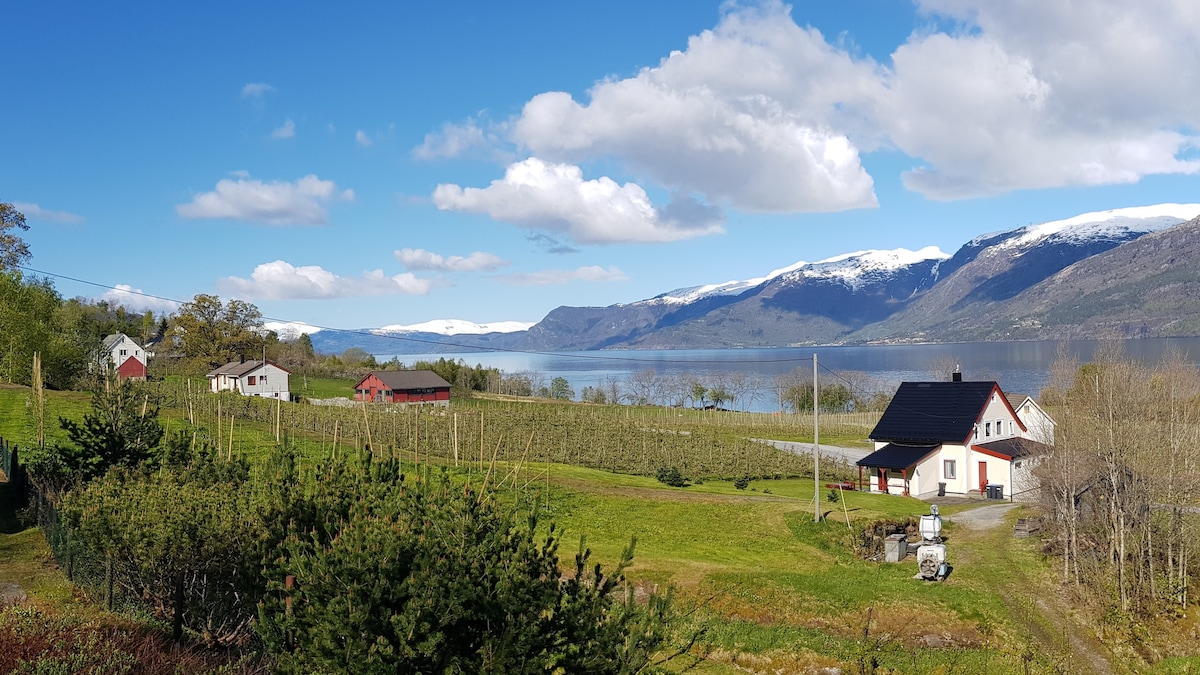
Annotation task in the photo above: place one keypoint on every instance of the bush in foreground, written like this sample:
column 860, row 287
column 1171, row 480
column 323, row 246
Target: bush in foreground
column 442, row 579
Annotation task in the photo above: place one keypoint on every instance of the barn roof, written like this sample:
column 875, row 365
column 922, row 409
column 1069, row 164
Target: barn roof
column 408, row 379
column 933, row 412
column 894, row 456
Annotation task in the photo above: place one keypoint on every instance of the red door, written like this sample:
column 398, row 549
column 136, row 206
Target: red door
column 983, row 481
column 883, row 480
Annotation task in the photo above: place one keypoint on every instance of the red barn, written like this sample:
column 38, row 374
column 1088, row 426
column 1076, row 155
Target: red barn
column 403, row 386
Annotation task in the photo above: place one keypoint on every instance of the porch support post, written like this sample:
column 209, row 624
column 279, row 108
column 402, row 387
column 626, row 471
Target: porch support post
column 904, row 475
column 860, row 483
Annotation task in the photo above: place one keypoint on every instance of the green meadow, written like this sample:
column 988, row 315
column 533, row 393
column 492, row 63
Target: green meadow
column 758, row 585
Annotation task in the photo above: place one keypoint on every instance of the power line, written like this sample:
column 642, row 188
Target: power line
column 436, row 343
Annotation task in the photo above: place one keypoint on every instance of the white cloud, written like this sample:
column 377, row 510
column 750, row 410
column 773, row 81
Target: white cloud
column 288, row 130
column 764, row 115
column 590, row 273
column 35, row 212
column 362, row 138
column 134, row 299
column 454, row 140
column 1046, row 94
column 255, row 89
column 746, row 114
column 273, row 203
column 420, row 259
column 280, row 280
column 555, row 197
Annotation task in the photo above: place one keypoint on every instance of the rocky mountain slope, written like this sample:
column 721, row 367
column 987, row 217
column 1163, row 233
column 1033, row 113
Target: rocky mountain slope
column 1126, row 272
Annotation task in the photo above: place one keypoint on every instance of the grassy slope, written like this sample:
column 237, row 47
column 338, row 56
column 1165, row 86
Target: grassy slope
column 771, row 590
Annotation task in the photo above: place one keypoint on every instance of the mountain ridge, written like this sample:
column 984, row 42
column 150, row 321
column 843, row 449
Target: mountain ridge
column 996, row 286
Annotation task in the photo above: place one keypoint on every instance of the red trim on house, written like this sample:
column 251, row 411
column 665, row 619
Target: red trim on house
column 996, row 391
column 991, row 453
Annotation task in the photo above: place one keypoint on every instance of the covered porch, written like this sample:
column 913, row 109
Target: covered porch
column 894, row 469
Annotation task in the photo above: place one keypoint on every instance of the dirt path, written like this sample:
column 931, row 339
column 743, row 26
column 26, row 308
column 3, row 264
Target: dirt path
column 1057, row 633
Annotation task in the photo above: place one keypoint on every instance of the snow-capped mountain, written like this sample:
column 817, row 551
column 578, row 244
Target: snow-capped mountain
column 456, row 327
column 1115, row 224
column 877, row 295
column 862, row 267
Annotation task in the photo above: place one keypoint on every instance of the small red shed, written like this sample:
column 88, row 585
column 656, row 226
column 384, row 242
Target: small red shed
column 403, row 386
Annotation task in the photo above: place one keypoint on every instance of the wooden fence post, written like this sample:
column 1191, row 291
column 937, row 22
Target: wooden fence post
column 177, row 621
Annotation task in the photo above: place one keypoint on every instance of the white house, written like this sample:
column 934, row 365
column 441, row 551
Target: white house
column 251, row 378
column 121, row 352
column 1036, row 420
column 953, row 438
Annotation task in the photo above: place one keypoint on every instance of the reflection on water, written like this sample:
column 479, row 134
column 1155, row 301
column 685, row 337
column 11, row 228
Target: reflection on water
column 1019, row 367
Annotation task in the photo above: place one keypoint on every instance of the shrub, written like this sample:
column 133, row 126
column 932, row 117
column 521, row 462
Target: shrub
column 670, row 476
column 742, row 482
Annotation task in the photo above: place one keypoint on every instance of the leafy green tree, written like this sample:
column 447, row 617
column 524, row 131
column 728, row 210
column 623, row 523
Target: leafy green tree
column 561, row 390
column 13, row 249
column 213, row 333
column 34, row 320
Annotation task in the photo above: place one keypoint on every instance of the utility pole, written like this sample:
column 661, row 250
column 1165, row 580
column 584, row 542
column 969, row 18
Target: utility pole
column 816, row 449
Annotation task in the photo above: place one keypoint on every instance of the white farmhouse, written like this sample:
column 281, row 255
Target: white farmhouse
column 119, row 351
column 956, row 438
column 251, row 378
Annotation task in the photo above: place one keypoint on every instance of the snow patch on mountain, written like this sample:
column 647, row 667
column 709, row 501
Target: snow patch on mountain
column 855, row 269
column 291, row 330
column 456, row 327
column 851, row 268
column 1111, row 224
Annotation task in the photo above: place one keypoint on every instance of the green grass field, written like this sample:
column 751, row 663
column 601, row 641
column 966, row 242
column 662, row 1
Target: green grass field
column 760, row 586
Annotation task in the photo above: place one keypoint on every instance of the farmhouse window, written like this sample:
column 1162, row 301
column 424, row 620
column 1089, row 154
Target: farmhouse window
column 250, row 380
column 949, row 470
column 987, row 430
column 262, row 380
column 124, row 352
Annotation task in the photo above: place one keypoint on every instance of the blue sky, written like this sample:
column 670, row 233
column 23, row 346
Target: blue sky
column 395, row 163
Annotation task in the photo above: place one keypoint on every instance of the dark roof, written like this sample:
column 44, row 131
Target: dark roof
column 409, row 379
column 893, row 456
column 111, row 340
column 933, row 412
column 240, row 368
column 1016, row 448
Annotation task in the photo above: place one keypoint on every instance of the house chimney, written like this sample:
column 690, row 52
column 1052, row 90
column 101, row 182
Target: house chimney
column 243, row 357
column 956, row 376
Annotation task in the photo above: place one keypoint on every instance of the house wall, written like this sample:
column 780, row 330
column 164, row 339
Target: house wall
column 958, row 484
column 1002, row 422
column 132, row 369
column 370, row 388
column 276, row 385
column 997, row 471
column 1039, row 424
column 1025, row 485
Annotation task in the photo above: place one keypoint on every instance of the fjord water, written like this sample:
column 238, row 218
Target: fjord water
column 1019, row 367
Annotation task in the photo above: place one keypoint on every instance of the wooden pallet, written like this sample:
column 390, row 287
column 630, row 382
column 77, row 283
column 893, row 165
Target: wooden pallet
column 1027, row 526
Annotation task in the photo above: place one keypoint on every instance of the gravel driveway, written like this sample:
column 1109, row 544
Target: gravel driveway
column 849, row 455
column 984, row 517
